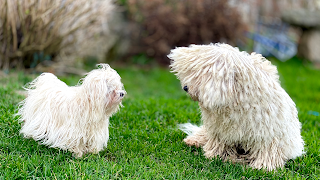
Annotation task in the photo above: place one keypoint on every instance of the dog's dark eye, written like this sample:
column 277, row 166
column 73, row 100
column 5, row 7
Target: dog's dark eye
column 185, row 88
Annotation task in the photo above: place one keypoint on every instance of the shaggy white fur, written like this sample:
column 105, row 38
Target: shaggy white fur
column 72, row 118
column 247, row 116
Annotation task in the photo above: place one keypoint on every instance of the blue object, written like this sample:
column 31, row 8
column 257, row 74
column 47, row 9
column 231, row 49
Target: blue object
column 315, row 113
column 273, row 40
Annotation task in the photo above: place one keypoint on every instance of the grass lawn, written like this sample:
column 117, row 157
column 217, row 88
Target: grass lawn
column 144, row 141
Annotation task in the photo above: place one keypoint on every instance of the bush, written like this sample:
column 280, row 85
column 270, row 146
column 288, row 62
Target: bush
column 32, row 30
column 162, row 25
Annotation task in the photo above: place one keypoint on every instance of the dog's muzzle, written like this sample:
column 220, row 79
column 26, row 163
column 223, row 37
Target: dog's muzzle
column 121, row 93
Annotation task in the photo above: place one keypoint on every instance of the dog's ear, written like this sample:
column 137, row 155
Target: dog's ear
column 265, row 65
column 219, row 84
column 94, row 87
column 235, row 77
column 101, row 87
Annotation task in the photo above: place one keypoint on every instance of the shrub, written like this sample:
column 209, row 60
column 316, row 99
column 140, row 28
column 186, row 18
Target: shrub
column 44, row 29
column 162, row 25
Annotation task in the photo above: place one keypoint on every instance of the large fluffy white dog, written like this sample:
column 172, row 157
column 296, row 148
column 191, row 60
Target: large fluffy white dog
column 247, row 116
column 72, row 118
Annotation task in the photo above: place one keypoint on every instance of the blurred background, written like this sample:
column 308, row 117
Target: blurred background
column 71, row 36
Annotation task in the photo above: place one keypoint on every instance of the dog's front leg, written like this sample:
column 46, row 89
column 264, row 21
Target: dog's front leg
column 269, row 157
column 214, row 147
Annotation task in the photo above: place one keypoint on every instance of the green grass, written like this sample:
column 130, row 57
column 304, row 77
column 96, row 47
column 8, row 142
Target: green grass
column 144, row 141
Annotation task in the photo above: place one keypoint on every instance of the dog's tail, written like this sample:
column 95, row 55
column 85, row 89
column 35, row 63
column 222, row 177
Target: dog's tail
column 189, row 128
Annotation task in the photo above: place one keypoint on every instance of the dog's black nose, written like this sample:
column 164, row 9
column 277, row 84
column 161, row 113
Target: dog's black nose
column 121, row 94
column 185, row 88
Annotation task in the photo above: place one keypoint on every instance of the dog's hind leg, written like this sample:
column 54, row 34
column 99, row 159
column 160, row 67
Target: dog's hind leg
column 197, row 136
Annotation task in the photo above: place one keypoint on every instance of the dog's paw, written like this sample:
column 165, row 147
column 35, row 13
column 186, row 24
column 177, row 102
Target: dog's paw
column 192, row 141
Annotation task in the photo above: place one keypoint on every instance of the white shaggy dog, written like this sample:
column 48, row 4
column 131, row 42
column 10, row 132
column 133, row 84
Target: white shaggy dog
column 72, row 118
column 247, row 116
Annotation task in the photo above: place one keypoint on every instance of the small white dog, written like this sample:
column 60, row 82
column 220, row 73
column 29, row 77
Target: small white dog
column 72, row 118
column 247, row 116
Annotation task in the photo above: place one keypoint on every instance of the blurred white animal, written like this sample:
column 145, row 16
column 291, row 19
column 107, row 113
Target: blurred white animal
column 72, row 118
column 246, row 114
